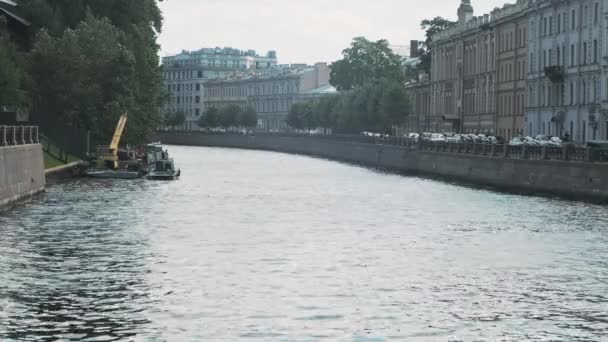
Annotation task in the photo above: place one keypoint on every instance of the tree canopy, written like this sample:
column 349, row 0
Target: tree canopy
column 376, row 106
column 91, row 60
column 366, row 61
column 229, row 116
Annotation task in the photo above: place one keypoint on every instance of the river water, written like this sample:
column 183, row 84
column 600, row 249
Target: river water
column 272, row 247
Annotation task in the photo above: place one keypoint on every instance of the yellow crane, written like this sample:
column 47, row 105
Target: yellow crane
column 109, row 155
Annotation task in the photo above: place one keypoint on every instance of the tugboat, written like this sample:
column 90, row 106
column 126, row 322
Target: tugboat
column 160, row 166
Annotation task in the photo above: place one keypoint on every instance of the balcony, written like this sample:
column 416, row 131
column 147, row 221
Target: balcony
column 555, row 73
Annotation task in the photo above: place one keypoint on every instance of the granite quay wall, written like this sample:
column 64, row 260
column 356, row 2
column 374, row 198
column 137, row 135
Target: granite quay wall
column 563, row 172
column 21, row 173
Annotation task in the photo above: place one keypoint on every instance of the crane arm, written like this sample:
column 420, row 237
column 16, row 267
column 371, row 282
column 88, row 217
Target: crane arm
column 118, row 133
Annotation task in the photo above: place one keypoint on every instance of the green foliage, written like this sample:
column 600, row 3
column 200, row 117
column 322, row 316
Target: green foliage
column 210, row 118
column 229, row 115
column 99, row 58
column 175, row 119
column 363, row 62
column 86, row 77
column 11, row 74
column 431, row 27
column 376, row 106
column 248, row 117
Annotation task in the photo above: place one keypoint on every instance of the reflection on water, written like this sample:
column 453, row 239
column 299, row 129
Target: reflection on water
column 265, row 246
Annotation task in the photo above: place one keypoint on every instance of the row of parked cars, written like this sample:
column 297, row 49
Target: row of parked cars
column 540, row 140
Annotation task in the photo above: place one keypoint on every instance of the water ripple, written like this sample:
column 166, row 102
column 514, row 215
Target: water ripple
column 264, row 246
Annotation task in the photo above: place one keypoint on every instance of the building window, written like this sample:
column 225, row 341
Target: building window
column 550, row 25
column 584, row 53
column 584, row 100
column 197, row 112
column 197, row 99
column 544, row 26
column 559, row 23
column 571, row 93
column 558, row 55
column 198, row 87
column 596, row 13
column 595, row 51
column 584, row 131
column 573, row 22
column 572, row 55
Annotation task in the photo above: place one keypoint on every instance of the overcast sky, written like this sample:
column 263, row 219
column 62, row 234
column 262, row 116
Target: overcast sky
column 301, row 31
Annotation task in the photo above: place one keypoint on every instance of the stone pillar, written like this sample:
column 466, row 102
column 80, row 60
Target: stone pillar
column 13, row 140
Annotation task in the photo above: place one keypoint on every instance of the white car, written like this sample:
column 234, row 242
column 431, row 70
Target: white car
column 517, row 141
column 556, row 142
column 413, row 136
column 543, row 140
column 437, row 137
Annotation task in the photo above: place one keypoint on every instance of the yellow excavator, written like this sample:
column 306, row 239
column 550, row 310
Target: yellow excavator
column 107, row 156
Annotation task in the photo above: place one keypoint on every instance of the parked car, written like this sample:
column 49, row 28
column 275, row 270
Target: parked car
column 453, row 138
column 517, row 141
column 543, row 140
column 413, row 136
column 437, row 137
column 556, row 142
column 500, row 140
column 531, row 141
column 426, row 136
column 491, row 140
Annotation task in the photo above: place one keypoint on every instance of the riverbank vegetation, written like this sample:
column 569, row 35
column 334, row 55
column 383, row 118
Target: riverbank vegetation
column 84, row 63
column 229, row 116
column 372, row 95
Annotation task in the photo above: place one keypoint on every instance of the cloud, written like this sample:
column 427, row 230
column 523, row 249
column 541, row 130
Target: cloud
column 300, row 30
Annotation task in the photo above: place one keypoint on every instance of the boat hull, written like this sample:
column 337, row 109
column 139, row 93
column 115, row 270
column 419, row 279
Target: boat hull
column 162, row 176
column 110, row 174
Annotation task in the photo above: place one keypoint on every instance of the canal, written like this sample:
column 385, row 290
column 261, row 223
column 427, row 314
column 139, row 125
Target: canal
column 264, row 246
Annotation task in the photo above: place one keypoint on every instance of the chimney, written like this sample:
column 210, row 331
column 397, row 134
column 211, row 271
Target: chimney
column 413, row 48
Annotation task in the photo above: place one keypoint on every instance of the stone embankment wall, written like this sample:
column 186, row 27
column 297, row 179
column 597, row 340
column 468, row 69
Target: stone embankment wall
column 21, row 173
column 577, row 180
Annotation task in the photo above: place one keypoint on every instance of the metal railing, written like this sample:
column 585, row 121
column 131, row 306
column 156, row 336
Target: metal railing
column 527, row 152
column 18, row 135
column 566, row 152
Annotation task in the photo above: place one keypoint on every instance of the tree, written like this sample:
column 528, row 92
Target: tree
column 11, row 73
column 175, row 119
column 134, row 24
column 86, row 77
column 363, row 62
column 210, row 118
column 431, row 27
column 248, row 117
column 229, row 115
